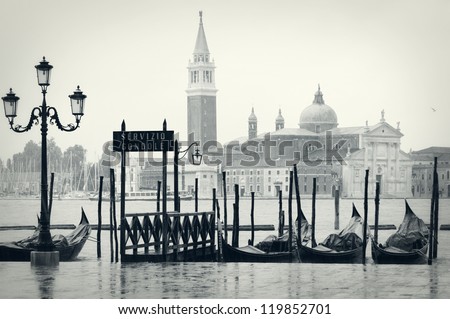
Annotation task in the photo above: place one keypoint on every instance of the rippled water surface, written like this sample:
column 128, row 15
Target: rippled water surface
column 89, row 277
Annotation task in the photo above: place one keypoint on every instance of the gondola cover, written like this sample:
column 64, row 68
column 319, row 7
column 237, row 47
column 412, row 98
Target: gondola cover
column 411, row 234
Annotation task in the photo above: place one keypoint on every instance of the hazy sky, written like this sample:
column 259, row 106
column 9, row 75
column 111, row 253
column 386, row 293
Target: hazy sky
column 130, row 58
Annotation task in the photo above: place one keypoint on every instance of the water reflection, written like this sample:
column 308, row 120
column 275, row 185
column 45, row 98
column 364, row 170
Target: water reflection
column 434, row 281
column 45, row 278
column 89, row 277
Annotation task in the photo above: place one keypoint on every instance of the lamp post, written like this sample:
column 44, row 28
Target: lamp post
column 196, row 160
column 46, row 114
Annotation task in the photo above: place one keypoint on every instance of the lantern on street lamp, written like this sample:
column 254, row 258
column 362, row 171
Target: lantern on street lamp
column 10, row 102
column 196, row 157
column 196, row 160
column 43, row 70
column 77, row 103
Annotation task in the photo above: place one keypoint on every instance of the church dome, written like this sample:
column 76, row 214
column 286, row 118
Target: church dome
column 318, row 117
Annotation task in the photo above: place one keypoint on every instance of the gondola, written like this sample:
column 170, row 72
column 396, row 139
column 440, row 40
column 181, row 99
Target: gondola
column 408, row 245
column 345, row 247
column 252, row 254
column 69, row 246
column 274, row 243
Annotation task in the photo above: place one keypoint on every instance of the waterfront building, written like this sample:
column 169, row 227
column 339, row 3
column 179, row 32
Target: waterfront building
column 145, row 175
column 336, row 156
column 422, row 171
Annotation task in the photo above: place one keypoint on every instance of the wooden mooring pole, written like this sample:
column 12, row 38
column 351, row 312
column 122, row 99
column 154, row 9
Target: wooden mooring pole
column 291, row 177
column 235, row 239
column 122, row 193
column 280, row 214
column 214, row 197
column 176, row 199
column 158, row 197
column 99, row 219
column 164, row 201
column 366, row 194
column 196, row 194
column 436, row 210
column 112, row 200
column 299, row 206
column 252, row 219
column 219, row 233
column 224, row 181
column 313, row 217
column 377, row 210
column 431, row 234
column 336, row 208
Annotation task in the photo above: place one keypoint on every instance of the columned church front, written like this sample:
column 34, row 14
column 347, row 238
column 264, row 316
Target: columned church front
column 337, row 157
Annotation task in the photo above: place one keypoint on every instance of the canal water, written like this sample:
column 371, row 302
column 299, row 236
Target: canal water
column 92, row 278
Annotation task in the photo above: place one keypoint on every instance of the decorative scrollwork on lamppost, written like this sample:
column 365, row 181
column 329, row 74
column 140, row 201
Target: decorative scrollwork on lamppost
column 196, row 160
column 46, row 114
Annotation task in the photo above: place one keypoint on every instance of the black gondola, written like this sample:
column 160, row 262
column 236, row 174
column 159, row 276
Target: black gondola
column 252, row 254
column 345, row 247
column 69, row 246
column 409, row 245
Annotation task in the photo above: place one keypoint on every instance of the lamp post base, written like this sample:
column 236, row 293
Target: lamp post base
column 45, row 258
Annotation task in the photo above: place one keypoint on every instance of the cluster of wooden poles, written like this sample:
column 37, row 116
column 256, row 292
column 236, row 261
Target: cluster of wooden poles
column 113, row 227
column 114, row 249
column 293, row 181
column 433, row 227
column 113, row 238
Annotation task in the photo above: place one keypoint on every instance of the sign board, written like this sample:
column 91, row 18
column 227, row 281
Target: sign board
column 143, row 141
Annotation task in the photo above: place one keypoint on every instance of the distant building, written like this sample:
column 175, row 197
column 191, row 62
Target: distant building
column 422, row 171
column 145, row 176
column 336, row 157
column 201, row 93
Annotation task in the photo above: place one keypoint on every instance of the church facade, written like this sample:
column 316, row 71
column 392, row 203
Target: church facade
column 336, row 157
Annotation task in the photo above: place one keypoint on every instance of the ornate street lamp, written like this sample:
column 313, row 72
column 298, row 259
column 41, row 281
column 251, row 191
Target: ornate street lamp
column 44, row 112
column 196, row 160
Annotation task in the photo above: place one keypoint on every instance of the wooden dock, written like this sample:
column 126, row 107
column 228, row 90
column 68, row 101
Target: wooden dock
column 172, row 236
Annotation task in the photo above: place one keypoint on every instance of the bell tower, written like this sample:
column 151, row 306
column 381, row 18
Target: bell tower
column 201, row 93
column 279, row 121
column 252, row 125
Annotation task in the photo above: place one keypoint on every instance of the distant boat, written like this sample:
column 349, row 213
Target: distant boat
column 69, row 246
column 72, row 196
column 144, row 196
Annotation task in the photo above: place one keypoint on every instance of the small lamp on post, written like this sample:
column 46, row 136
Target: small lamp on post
column 196, row 160
column 10, row 102
column 197, row 157
column 77, row 103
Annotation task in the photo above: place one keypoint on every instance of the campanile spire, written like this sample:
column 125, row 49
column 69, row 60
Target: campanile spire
column 201, row 92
